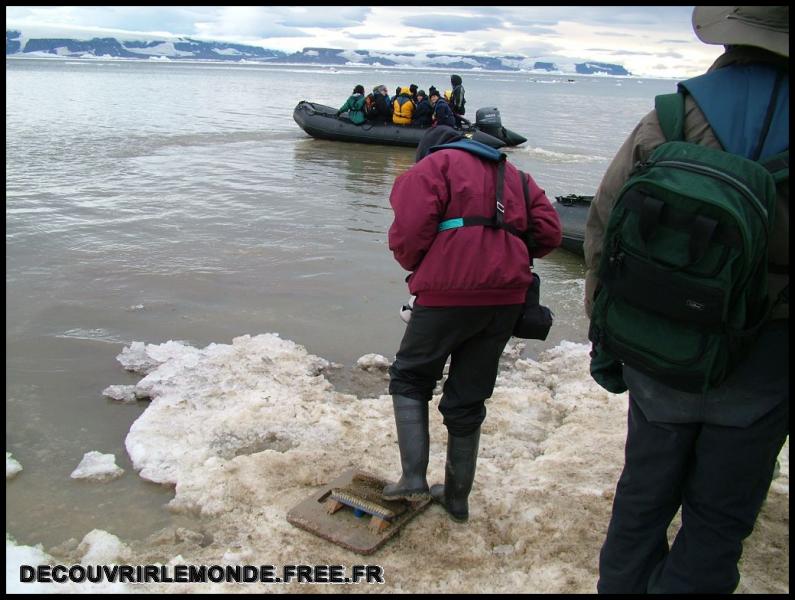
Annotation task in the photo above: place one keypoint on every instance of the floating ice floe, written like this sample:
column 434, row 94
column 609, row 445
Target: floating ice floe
column 12, row 466
column 98, row 467
column 373, row 362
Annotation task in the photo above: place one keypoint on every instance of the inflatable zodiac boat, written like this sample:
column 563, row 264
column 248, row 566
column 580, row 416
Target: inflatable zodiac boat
column 322, row 122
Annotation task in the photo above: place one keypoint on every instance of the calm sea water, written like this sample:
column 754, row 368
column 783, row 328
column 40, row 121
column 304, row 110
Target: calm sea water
column 150, row 201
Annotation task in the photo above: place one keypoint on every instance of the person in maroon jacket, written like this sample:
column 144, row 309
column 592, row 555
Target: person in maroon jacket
column 470, row 285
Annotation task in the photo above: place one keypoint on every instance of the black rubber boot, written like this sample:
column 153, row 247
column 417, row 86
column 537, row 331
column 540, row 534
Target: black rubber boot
column 411, row 420
column 459, row 473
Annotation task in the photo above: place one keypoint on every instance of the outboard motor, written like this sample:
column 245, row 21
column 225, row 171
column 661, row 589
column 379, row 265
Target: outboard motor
column 488, row 121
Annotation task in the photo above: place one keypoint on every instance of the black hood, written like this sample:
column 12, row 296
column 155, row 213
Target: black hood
column 441, row 134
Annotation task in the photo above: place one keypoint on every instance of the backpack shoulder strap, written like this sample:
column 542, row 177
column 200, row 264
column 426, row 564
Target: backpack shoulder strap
column 473, row 147
column 531, row 242
column 671, row 114
column 778, row 166
column 498, row 220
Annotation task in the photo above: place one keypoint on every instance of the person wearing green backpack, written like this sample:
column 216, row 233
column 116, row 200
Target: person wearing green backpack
column 687, row 290
column 354, row 106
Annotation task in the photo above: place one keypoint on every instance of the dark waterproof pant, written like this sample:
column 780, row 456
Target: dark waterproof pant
column 719, row 475
column 473, row 337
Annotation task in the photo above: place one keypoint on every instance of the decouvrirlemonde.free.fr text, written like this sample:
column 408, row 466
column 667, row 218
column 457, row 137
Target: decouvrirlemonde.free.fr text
column 135, row 574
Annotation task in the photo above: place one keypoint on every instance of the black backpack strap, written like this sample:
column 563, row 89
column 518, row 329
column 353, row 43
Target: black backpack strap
column 498, row 220
column 529, row 238
column 499, row 216
column 771, row 108
column 778, row 165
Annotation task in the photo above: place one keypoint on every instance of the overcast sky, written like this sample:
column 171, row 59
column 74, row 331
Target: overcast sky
column 646, row 40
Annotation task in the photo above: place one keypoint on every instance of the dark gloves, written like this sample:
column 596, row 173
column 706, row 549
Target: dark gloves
column 607, row 370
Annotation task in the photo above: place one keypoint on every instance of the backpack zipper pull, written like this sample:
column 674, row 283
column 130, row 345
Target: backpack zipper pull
column 616, row 257
column 641, row 166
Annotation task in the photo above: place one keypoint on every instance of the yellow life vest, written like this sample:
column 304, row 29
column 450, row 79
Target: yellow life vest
column 403, row 108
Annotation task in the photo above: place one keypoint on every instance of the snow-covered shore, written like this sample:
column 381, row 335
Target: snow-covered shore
column 244, row 431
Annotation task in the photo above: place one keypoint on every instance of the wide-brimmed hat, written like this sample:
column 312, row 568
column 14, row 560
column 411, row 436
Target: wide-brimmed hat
column 761, row 26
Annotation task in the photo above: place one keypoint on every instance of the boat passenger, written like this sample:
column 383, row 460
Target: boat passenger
column 457, row 100
column 402, row 107
column 423, row 113
column 377, row 107
column 442, row 115
column 354, row 106
column 413, row 88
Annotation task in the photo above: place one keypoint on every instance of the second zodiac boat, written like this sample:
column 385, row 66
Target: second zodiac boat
column 573, row 212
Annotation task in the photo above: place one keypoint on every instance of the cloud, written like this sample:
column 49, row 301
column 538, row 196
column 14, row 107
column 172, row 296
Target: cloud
column 179, row 20
column 247, row 22
column 337, row 17
column 539, row 49
column 241, row 22
column 536, row 30
column 632, row 53
column 487, row 47
column 451, row 23
column 670, row 54
column 613, row 34
column 367, row 36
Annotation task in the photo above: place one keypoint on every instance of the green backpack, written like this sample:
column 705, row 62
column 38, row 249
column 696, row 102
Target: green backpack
column 683, row 271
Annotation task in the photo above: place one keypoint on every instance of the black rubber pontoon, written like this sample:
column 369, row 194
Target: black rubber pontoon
column 573, row 212
column 322, row 122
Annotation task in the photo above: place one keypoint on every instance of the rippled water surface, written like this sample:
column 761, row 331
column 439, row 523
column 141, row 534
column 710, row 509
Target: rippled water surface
column 149, row 201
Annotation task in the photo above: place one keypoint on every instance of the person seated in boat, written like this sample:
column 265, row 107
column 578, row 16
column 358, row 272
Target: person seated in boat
column 403, row 107
column 442, row 115
column 377, row 107
column 413, row 87
column 354, row 106
column 423, row 112
column 397, row 93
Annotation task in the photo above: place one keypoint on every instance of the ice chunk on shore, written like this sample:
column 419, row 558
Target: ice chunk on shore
column 98, row 467
column 17, row 556
column 99, row 547
column 143, row 358
column 211, row 405
column 24, row 555
column 248, row 430
column 373, row 362
column 12, row 466
column 122, row 393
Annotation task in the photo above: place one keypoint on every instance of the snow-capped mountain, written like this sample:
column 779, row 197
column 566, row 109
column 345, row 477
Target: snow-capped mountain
column 183, row 48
